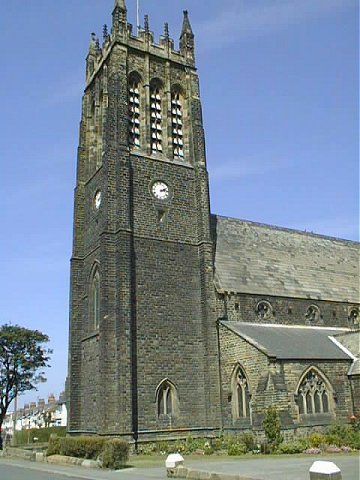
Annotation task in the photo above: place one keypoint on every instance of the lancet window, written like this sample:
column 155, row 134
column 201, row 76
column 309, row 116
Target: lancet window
column 134, row 113
column 95, row 300
column 166, row 399
column 156, row 120
column 177, row 125
column 313, row 395
column 240, row 394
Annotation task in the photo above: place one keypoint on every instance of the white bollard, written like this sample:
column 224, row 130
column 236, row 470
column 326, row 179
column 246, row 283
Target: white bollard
column 321, row 470
column 174, row 460
column 173, row 464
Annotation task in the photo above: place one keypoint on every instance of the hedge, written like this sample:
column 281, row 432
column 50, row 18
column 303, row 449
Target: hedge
column 114, row 453
column 42, row 435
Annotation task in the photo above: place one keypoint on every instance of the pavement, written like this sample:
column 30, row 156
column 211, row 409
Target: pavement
column 267, row 468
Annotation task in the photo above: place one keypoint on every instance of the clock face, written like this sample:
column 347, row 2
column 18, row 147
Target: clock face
column 160, row 190
column 97, row 199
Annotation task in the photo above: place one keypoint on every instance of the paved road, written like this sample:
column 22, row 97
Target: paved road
column 274, row 468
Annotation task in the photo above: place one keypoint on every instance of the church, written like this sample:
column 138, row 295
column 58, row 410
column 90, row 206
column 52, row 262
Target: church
column 183, row 322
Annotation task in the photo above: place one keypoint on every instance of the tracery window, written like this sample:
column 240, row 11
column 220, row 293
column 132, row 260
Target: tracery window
column 95, row 300
column 177, row 125
column 240, row 394
column 353, row 316
column 156, row 120
column 263, row 309
column 313, row 394
column 166, row 399
column 134, row 113
column 312, row 313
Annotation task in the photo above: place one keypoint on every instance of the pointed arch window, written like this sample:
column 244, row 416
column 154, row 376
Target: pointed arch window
column 166, row 399
column 240, row 394
column 134, row 112
column 95, row 300
column 177, row 125
column 156, row 119
column 313, row 394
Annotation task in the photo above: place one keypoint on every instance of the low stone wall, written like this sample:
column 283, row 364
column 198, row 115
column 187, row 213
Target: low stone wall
column 20, row 453
column 34, row 456
column 63, row 460
column 193, row 474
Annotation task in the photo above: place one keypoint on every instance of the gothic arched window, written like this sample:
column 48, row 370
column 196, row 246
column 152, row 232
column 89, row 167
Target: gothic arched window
column 177, row 125
column 313, row 394
column 134, row 112
column 156, row 118
column 240, row 394
column 166, row 399
column 95, row 300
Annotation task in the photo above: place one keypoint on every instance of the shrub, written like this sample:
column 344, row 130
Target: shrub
column 164, row 447
column 355, row 423
column 354, row 441
column 54, row 446
column 316, row 439
column 115, row 454
column 194, row 444
column 272, row 427
column 236, row 448
column 296, row 446
column 339, row 434
column 248, row 440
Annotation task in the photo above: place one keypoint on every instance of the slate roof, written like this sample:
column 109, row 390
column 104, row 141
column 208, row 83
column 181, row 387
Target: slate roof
column 355, row 368
column 261, row 259
column 291, row 342
column 351, row 341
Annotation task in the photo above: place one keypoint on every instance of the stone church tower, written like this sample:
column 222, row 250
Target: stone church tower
column 184, row 322
column 143, row 341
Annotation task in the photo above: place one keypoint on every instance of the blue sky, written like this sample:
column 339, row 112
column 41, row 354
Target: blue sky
column 279, row 84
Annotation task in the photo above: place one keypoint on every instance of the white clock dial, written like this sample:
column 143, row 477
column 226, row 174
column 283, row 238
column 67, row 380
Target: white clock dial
column 160, row 190
column 97, row 199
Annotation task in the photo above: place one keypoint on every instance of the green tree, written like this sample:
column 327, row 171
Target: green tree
column 22, row 358
column 272, row 427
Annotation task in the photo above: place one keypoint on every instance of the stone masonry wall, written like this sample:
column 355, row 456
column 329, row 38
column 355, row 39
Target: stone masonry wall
column 285, row 311
column 275, row 382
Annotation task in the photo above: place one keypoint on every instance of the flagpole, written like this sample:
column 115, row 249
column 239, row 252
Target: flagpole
column 137, row 17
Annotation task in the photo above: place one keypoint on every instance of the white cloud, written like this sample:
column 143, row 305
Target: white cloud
column 252, row 18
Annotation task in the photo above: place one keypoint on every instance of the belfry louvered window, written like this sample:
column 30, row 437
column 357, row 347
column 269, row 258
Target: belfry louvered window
column 156, row 120
column 134, row 114
column 177, row 126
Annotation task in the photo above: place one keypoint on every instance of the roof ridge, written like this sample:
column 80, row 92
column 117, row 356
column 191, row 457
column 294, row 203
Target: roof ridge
column 310, row 327
column 288, row 229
